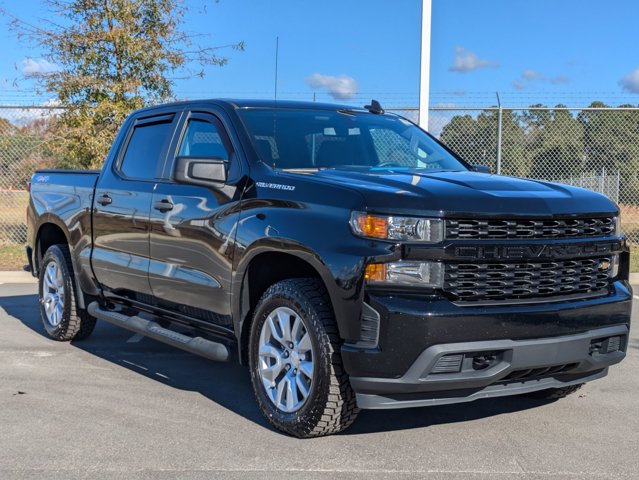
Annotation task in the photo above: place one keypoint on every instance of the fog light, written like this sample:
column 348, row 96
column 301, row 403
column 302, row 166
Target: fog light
column 484, row 361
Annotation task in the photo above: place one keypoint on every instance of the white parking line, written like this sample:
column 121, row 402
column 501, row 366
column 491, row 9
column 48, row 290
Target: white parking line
column 135, row 338
column 636, row 297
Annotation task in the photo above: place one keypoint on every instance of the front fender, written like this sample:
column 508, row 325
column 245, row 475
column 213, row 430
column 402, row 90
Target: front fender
column 318, row 234
column 346, row 296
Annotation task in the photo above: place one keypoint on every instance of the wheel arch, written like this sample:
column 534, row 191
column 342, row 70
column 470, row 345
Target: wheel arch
column 263, row 268
column 53, row 231
column 48, row 233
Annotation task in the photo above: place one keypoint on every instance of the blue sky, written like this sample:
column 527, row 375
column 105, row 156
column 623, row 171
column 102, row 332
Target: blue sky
column 545, row 51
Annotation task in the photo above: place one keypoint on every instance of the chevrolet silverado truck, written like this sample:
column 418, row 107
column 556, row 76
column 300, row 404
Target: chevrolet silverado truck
column 343, row 254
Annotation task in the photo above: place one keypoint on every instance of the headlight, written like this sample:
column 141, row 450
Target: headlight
column 618, row 225
column 416, row 274
column 412, row 229
column 614, row 267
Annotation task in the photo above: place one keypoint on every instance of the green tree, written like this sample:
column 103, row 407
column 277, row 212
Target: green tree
column 110, row 57
column 475, row 140
column 611, row 140
column 554, row 142
column 515, row 159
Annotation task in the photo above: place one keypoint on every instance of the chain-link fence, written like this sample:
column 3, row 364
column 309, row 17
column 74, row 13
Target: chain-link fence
column 595, row 148
column 24, row 146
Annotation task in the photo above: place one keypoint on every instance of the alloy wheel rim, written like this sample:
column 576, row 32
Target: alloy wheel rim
column 285, row 359
column 53, row 294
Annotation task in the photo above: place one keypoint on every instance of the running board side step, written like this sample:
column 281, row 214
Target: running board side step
column 197, row 345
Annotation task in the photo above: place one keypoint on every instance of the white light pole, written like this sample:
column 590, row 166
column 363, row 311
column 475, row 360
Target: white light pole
column 424, row 67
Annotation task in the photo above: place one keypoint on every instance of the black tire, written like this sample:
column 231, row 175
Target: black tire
column 330, row 406
column 75, row 324
column 554, row 393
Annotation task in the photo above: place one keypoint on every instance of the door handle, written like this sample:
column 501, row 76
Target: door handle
column 104, row 200
column 163, row 205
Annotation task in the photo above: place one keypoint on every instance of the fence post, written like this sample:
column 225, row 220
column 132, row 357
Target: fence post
column 498, row 134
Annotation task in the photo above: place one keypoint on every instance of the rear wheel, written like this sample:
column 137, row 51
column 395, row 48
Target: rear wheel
column 296, row 368
column 61, row 317
column 554, row 393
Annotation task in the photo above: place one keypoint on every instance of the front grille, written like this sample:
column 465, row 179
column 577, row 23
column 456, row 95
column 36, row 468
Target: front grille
column 472, row 282
column 527, row 229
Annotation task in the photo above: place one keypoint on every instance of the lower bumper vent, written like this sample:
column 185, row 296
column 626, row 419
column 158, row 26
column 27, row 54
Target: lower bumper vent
column 531, row 373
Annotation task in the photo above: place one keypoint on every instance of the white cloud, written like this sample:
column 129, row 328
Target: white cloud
column 631, row 81
column 559, row 80
column 519, row 85
column 466, row 61
column 37, row 67
column 530, row 76
column 341, row 87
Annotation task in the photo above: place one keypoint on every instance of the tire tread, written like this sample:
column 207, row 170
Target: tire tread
column 340, row 408
column 79, row 324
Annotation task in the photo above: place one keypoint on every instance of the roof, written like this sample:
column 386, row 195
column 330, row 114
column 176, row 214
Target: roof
column 247, row 103
column 242, row 103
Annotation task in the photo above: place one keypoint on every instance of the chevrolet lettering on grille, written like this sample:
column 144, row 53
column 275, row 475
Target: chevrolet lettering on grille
column 499, row 252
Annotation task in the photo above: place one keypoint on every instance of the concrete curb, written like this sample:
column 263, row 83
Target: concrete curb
column 17, row 277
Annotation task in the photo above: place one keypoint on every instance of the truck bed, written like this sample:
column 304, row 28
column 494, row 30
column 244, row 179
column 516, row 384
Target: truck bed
column 68, row 193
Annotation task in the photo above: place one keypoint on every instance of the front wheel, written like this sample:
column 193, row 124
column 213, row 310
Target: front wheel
column 295, row 363
column 61, row 317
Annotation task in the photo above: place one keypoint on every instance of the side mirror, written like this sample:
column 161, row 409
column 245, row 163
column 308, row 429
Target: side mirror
column 209, row 172
column 482, row 169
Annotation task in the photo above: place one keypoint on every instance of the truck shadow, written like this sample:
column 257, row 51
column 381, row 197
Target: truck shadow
column 229, row 385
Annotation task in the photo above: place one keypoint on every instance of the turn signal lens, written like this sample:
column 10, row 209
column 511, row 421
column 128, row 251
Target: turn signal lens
column 375, row 272
column 372, row 226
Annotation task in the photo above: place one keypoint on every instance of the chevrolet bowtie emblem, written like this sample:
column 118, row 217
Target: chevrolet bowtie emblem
column 604, row 265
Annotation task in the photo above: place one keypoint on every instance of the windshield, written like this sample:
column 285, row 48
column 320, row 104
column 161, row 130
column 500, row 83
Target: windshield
column 314, row 139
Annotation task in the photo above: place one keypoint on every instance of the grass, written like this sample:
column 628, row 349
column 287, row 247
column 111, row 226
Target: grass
column 12, row 257
column 634, row 259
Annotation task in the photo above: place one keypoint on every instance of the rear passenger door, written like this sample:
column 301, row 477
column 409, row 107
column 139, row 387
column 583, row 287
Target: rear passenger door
column 122, row 206
column 193, row 227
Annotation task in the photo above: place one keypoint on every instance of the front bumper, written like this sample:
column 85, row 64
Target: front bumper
column 519, row 367
column 534, row 346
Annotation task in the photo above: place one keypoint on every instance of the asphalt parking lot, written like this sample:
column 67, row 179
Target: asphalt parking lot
column 121, row 406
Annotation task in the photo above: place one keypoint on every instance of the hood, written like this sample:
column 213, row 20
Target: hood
column 469, row 193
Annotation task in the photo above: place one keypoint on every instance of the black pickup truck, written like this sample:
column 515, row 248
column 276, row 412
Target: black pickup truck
column 343, row 254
